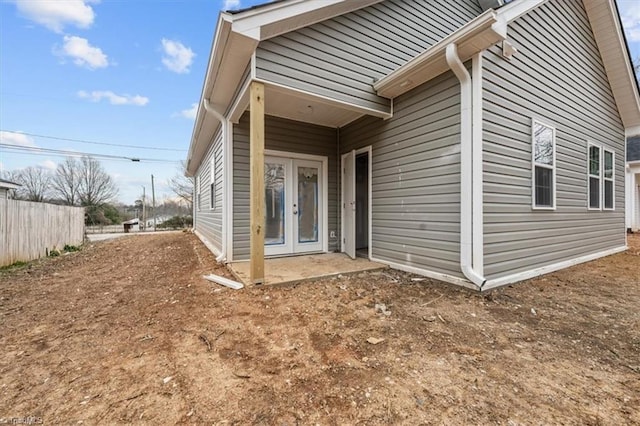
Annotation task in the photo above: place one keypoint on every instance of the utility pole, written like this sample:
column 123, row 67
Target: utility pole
column 153, row 195
column 144, row 212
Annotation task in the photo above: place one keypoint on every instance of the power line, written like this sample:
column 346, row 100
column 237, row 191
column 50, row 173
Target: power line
column 43, row 151
column 93, row 142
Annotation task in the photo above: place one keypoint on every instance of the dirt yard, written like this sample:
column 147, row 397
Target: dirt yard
column 127, row 331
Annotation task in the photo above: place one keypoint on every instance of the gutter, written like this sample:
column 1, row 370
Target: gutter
column 225, row 129
column 468, row 162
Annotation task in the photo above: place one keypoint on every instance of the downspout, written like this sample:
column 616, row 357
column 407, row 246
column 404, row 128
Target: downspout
column 466, row 168
column 225, row 127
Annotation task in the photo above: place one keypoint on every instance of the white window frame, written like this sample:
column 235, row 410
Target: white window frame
column 599, row 176
column 534, row 164
column 212, row 184
column 612, row 179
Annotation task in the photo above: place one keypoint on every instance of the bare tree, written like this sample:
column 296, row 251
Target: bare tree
column 182, row 185
column 35, row 183
column 12, row 176
column 95, row 186
column 66, row 181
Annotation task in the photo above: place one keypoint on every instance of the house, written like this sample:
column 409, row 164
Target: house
column 5, row 187
column 633, row 184
column 473, row 144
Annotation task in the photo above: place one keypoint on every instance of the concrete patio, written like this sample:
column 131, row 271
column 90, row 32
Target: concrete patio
column 293, row 269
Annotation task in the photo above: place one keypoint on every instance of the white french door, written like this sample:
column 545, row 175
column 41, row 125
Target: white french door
column 294, row 205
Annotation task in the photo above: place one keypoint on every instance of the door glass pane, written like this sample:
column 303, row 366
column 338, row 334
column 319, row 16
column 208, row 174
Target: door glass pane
column 274, row 200
column 307, row 204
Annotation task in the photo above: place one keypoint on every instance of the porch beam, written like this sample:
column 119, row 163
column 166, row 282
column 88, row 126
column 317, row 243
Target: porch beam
column 256, row 184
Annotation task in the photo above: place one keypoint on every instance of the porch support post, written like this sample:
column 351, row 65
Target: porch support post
column 256, row 184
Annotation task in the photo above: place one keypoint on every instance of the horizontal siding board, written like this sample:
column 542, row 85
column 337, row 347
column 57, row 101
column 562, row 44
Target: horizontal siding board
column 209, row 221
column 557, row 76
column 415, row 177
column 342, row 57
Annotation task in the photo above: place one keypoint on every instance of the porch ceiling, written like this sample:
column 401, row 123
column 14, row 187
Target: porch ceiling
column 286, row 103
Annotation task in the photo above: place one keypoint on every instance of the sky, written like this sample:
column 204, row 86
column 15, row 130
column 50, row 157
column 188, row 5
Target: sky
column 108, row 77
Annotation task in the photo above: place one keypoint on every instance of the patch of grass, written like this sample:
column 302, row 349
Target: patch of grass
column 69, row 249
column 15, row 265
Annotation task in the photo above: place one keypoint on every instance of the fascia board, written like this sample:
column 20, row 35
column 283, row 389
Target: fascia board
column 271, row 21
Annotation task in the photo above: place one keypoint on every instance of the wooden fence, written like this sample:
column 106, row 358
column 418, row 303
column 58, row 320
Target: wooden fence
column 29, row 230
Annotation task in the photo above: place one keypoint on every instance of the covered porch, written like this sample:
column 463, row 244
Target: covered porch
column 295, row 192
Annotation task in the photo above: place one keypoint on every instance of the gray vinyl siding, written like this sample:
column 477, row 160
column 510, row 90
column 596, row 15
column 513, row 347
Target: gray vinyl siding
column 415, row 177
column 342, row 57
column 208, row 220
column 280, row 135
column 556, row 76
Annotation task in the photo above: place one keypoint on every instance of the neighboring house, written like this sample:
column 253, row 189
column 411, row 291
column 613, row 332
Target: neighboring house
column 478, row 147
column 5, row 187
column 633, row 184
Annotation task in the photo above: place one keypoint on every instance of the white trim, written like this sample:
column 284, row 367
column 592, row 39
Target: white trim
column 632, row 131
column 325, row 186
column 612, row 179
column 369, row 150
column 208, row 244
column 521, row 276
column 589, row 176
column 427, row 273
column 514, row 10
column 271, row 20
column 534, row 164
column 477, row 161
column 326, row 100
column 227, row 216
column 473, row 37
column 240, row 103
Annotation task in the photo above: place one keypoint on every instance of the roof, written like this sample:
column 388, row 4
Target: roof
column 238, row 33
column 633, row 148
column 7, row 184
column 254, row 7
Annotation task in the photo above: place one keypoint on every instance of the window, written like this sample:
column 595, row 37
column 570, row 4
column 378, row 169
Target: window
column 595, row 173
column 212, row 185
column 609, row 178
column 544, row 166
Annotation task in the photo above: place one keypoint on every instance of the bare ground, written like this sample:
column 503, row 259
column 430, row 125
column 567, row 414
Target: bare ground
column 127, row 331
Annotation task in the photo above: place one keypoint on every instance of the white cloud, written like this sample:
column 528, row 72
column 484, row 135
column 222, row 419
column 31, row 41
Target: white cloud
column 56, row 14
column 114, row 99
column 231, row 5
column 189, row 113
column 16, row 138
column 177, row 57
column 630, row 14
column 82, row 53
column 48, row 164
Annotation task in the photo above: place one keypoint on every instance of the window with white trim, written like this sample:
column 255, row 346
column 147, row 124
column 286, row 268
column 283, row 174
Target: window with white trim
column 544, row 166
column 595, row 177
column 212, row 183
column 608, row 189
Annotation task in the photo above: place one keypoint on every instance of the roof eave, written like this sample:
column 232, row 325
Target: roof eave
column 609, row 35
column 478, row 34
